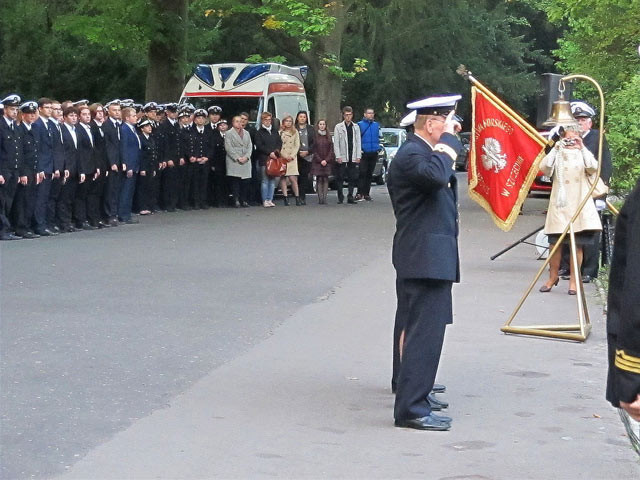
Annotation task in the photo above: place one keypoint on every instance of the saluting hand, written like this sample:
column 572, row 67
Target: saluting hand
column 451, row 125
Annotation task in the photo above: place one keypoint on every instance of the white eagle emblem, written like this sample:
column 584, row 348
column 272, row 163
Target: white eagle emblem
column 493, row 158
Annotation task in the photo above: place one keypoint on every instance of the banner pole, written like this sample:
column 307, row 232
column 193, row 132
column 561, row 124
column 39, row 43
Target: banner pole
column 467, row 75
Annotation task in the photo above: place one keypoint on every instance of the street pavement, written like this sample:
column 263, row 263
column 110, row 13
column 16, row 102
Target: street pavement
column 257, row 343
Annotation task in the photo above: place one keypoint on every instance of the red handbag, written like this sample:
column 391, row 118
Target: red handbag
column 276, row 167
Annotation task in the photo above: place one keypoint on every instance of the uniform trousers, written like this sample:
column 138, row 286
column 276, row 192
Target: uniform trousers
column 426, row 306
column 80, row 201
column 112, row 194
column 240, row 188
column 64, row 206
column 145, row 190
column 54, row 198
column 125, row 202
column 367, row 165
column 346, row 171
column 42, row 201
column 219, row 189
column 94, row 194
column 7, row 194
column 200, row 181
column 24, row 204
column 187, row 179
column 170, row 187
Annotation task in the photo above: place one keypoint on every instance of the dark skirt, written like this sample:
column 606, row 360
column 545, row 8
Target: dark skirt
column 586, row 237
column 318, row 170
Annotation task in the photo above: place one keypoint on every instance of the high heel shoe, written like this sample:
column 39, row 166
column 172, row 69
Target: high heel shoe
column 571, row 291
column 545, row 289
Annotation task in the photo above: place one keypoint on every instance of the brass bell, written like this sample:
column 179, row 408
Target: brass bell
column 560, row 114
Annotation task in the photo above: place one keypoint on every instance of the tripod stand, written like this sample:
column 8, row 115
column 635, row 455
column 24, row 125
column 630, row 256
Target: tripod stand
column 524, row 240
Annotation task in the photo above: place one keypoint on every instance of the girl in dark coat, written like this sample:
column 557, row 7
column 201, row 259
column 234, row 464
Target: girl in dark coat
column 323, row 160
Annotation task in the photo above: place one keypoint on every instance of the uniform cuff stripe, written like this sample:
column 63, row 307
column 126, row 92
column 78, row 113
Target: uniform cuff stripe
column 622, row 365
column 627, row 358
column 441, row 147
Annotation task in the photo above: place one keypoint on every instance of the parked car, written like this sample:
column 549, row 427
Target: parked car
column 462, row 160
column 392, row 139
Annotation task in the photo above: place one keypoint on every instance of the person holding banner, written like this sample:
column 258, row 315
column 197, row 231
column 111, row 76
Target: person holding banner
column 569, row 163
column 422, row 186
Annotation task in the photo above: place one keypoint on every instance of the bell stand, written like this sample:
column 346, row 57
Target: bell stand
column 577, row 332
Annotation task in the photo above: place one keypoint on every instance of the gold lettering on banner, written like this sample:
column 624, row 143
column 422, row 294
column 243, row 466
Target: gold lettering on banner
column 482, row 185
column 513, row 176
column 492, row 122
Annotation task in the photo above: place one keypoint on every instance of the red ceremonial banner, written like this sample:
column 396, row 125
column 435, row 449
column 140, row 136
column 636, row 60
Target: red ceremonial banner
column 504, row 158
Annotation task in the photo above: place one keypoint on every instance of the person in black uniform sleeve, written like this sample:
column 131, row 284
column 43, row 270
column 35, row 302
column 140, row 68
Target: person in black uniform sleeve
column 25, row 199
column 44, row 131
column 169, row 137
column 186, row 165
column 10, row 161
column 202, row 151
column 56, row 121
column 422, row 186
column 148, row 166
column 95, row 212
column 623, row 312
column 219, row 187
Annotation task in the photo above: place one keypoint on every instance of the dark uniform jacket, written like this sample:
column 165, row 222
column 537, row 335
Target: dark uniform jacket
column 201, row 143
column 112, row 143
column 44, row 133
column 623, row 314
column 30, row 151
column 219, row 153
column 10, row 148
column 169, row 138
column 422, row 186
column 591, row 141
column 57, row 146
column 70, row 151
column 102, row 162
column 87, row 159
column 149, row 160
column 185, row 141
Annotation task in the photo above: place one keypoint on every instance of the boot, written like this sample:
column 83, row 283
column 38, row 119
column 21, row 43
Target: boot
column 298, row 202
column 286, row 201
column 303, row 199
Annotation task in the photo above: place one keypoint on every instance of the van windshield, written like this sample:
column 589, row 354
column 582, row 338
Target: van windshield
column 290, row 105
column 231, row 106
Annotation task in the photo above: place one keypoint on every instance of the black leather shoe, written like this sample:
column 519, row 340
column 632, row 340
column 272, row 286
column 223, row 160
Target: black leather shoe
column 351, row 201
column 563, row 272
column 586, row 279
column 46, row 233
column 9, row 236
column 87, row 226
column 103, row 225
column 436, row 404
column 55, row 229
column 442, row 418
column 424, row 423
column 565, row 277
column 113, row 222
column 29, row 235
column 438, row 388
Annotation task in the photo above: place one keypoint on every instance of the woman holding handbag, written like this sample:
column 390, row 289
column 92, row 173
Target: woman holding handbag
column 268, row 142
column 569, row 163
column 323, row 160
column 289, row 151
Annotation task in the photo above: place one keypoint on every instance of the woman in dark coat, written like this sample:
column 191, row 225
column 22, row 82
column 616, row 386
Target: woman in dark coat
column 323, row 160
column 268, row 141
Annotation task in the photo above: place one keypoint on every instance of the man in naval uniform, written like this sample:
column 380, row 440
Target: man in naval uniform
column 422, row 186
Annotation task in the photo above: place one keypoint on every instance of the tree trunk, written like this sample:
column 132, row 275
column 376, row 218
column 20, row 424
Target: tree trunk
column 328, row 85
column 167, row 52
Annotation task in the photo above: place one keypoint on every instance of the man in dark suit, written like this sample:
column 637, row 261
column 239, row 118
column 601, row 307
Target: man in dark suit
column 85, row 202
column 422, row 186
column 130, row 149
column 10, row 163
column 25, row 199
column 186, row 164
column 56, row 121
column 70, row 176
column 95, row 212
column 623, row 312
column 44, row 132
column 111, row 129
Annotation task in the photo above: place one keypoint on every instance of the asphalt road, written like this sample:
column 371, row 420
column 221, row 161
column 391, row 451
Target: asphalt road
column 256, row 343
column 99, row 329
